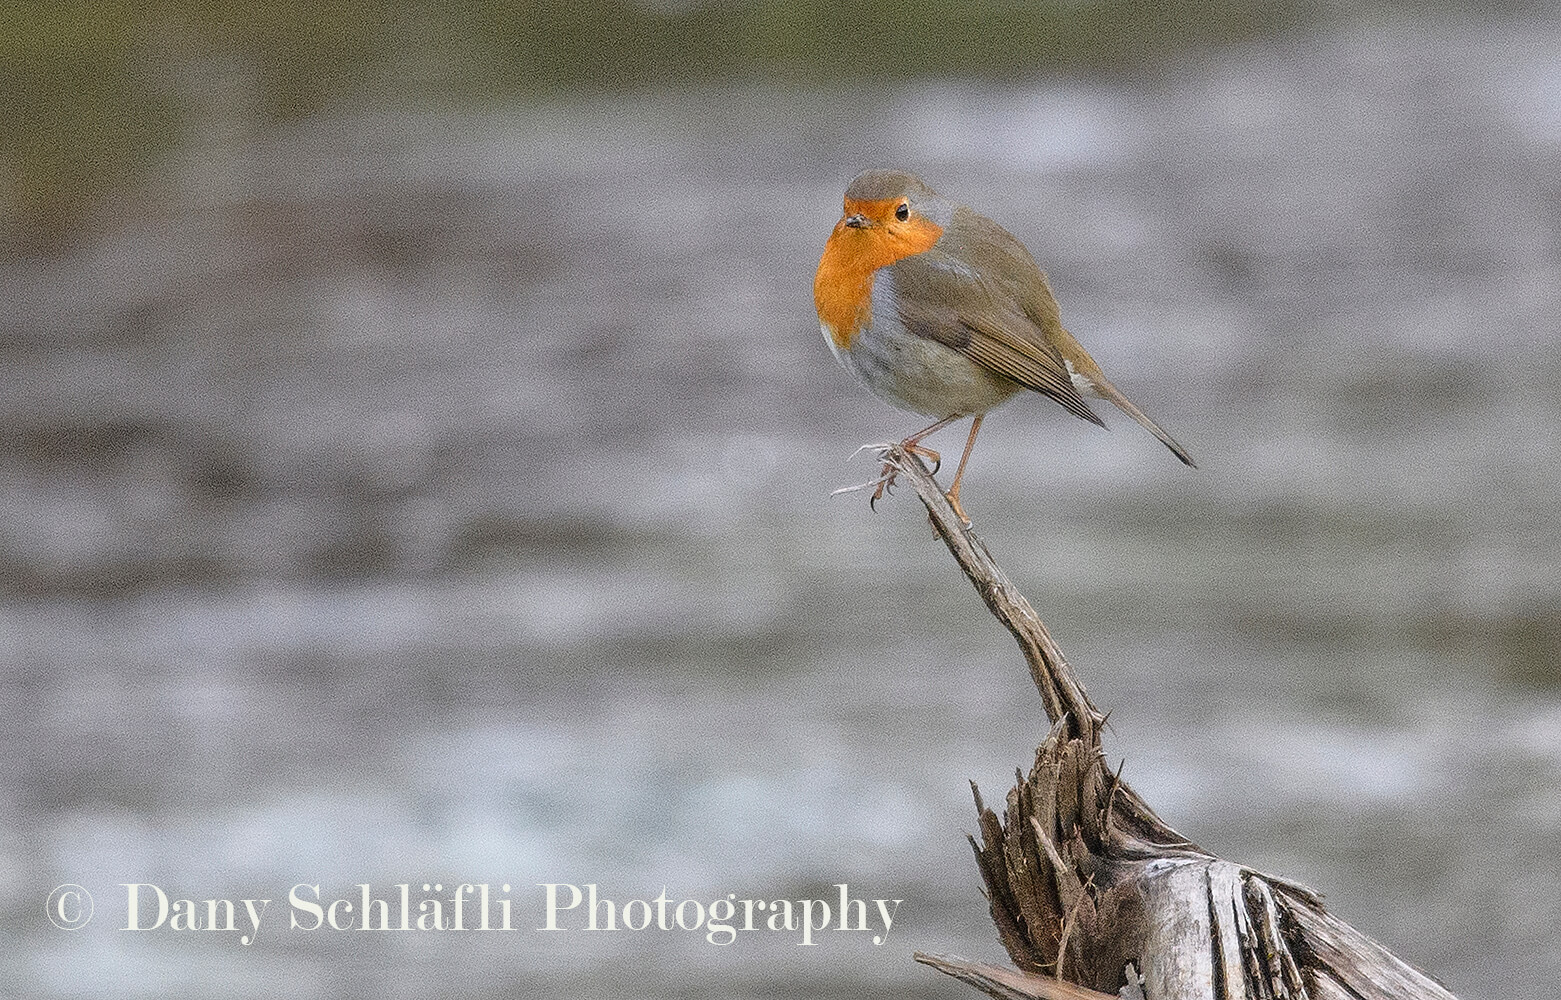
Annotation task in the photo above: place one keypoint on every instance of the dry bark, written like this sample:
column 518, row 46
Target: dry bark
column 1094, row 896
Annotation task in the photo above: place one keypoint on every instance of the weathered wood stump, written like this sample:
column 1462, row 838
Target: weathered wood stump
column 1095, row 896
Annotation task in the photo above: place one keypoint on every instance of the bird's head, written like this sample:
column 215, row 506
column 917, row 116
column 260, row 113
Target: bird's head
column 889, row 214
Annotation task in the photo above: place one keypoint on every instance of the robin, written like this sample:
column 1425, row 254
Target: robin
column 942, row 312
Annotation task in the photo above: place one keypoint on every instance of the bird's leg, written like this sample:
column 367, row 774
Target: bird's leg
column 970, row 444
column 911, row 446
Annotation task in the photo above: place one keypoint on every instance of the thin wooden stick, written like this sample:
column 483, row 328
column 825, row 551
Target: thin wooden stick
column 1061, row 693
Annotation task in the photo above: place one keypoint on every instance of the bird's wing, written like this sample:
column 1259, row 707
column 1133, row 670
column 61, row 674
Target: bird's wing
column 941, row 298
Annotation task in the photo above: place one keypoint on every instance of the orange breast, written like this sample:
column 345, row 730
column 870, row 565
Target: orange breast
column 843, row 286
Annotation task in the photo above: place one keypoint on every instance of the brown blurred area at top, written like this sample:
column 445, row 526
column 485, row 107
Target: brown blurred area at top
column 94, row 94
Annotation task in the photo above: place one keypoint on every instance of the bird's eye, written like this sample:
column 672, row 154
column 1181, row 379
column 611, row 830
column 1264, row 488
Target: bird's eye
column 903, row 212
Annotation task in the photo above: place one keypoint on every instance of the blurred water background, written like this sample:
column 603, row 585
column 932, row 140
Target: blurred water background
column 416, row 445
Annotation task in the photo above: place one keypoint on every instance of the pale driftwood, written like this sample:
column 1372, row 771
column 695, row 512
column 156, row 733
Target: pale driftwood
column 1011, row 984
column 1089, row 888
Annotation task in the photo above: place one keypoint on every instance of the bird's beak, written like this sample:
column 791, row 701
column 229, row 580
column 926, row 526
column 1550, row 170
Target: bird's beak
column 857, row 221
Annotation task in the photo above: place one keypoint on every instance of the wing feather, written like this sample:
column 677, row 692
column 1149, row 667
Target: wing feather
column 943, row 299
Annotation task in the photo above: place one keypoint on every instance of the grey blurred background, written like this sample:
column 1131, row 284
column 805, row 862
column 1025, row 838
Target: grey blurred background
column 416, row 445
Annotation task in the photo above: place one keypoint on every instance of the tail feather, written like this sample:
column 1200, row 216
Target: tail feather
column 1109, row 392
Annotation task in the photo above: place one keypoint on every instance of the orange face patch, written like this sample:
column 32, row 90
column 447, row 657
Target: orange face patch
column 842, row 288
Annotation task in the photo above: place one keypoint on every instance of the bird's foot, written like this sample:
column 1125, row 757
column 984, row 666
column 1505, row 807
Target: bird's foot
column 885, row 480
column 953, row 498
column 890, row 469
column 910, row 447
column 884, row 484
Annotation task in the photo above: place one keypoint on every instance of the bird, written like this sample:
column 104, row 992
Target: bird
column 943, row 312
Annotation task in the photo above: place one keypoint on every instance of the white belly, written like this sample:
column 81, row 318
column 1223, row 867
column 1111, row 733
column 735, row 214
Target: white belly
column 915, row 373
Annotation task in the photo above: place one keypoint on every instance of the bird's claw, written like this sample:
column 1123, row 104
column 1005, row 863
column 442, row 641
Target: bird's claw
column 912, row 448
column 884, row 484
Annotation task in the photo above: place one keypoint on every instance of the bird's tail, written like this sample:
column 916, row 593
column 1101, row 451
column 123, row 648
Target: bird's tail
column 1105, row 390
